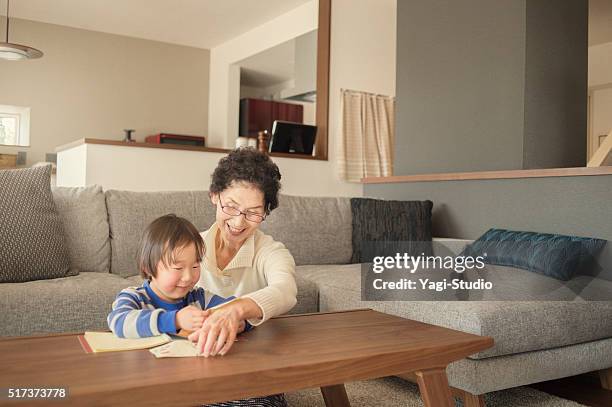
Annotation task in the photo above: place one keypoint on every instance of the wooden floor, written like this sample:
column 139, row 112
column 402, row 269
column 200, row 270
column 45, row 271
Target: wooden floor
column 584, row 389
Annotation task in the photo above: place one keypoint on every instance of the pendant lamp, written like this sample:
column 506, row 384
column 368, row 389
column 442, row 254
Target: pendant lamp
column 15, row 52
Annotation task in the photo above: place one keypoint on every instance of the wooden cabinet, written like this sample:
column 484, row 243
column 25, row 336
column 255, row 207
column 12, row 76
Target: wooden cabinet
column 8, row 160
column 258, row 114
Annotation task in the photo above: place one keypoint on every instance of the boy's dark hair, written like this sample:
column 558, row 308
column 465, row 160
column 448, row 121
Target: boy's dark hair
column 252, row 166
column 161, row 238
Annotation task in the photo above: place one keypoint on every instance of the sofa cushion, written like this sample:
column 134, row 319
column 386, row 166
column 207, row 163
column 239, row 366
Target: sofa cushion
column 129, row 213
column 342, row 282
column 384, row 228
column 315, row 230
column 70, row 304
column 85, row 221
column 515, row 326
column 32, row 243
column 307, row 296
column 555, row 256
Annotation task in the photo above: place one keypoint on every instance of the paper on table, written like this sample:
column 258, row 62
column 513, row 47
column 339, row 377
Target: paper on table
column 178, row 348
column 175, row 349
column 108, row 342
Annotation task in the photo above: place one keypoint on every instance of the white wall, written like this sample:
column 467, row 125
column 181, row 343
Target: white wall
column 362, row 57
column 600, row 93
column 91, row 84
column 155, row 169
column 225, row 77
column 310, row 112
column 72, row 167
column 148, row 169
column 600, row 64
column 601, row 116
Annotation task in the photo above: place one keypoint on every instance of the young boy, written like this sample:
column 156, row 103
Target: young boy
column 169, row 258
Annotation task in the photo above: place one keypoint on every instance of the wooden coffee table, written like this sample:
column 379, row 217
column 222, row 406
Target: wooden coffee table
column 285, row 354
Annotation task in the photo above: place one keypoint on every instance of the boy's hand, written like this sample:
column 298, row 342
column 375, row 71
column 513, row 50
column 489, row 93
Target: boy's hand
column 190, row 318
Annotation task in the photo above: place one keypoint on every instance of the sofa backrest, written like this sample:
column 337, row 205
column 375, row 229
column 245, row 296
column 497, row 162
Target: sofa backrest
column 603, row 267
column 315, row 230
column 103, row 229
column 129, row 213
column 85, row 221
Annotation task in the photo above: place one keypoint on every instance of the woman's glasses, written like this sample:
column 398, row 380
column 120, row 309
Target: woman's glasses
column 233, row 211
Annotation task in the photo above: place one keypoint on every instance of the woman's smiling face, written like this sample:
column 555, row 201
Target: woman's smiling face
column 245, row 197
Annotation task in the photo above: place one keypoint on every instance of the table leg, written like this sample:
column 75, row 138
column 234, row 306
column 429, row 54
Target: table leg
column 435, row 391
column 335, row 396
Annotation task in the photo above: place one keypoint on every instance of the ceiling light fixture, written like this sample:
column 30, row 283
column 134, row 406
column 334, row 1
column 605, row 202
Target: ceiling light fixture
column 15, row 52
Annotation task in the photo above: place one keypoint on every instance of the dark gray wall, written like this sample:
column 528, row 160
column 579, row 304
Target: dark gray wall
column 556, row 70
column 490, row 85
column 579, row 206
column 460, row 76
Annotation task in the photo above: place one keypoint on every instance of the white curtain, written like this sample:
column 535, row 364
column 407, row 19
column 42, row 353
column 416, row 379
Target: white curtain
column 367, row 135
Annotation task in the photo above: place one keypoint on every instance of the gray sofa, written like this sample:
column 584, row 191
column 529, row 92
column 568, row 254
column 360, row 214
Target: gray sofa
column 534, row 340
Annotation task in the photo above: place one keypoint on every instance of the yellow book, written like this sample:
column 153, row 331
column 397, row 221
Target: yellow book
column 108, row 342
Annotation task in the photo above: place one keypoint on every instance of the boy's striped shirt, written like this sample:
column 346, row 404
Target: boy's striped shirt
column 138, row 312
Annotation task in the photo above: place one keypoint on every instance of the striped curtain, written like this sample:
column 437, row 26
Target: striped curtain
column 367, row 135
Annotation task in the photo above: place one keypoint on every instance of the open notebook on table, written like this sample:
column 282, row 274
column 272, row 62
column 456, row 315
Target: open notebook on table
column 96, row 342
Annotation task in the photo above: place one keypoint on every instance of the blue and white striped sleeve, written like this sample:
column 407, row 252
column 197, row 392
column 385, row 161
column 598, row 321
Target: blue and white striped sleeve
column 130, row 318
column 207, row 300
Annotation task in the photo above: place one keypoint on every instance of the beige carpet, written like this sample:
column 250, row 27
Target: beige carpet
column 392, row 392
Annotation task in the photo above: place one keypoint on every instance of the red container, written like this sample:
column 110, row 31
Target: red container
column 166, row 138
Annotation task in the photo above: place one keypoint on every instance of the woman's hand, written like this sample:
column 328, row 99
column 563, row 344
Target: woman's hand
column 242, row 326
column 219, row 331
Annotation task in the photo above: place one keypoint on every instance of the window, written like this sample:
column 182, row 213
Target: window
column 14, row 125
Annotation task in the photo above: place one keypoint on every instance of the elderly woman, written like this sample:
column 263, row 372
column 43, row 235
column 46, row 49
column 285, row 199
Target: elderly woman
column 241, row 260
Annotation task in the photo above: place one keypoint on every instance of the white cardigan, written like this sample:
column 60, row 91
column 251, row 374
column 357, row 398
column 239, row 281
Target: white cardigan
column 262, row 270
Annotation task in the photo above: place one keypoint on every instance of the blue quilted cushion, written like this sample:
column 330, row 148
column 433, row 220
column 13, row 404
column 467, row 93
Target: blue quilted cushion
column 555, row 256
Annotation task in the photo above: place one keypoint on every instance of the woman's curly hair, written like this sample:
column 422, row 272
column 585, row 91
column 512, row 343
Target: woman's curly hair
column 248, row 165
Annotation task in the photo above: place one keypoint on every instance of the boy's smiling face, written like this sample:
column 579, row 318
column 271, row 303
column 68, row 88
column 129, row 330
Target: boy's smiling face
column 174, row 280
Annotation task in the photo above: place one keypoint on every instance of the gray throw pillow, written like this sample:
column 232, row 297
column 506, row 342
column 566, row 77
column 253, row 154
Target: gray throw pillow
column 85, row 221
column 32, row 244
